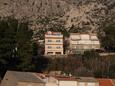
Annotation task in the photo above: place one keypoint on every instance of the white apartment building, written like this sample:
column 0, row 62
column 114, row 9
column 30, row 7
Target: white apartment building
column 82, row 42
column 53, row 43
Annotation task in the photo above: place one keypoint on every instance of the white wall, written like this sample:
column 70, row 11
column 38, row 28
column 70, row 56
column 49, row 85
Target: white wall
column 91, row 84
column 51, row 84
column 61, row 36
column 81, row 84
column 85, row 36
column 88, row 84
column 67, row 83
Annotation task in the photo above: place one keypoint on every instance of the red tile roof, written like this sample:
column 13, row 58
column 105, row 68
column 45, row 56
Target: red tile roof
column 65, row 78
column 58, row 77
column 105, row 82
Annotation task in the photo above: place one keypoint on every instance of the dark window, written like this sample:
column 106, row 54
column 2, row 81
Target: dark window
column 49, row 47
column 49, row 40
column 49, row 53
column 58, row 53
column 58, row 47
column 58, row 40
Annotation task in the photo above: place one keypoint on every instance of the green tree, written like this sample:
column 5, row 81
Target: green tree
column 66, row 65
column 109, row 39
column 92, row 61
column 15, row 45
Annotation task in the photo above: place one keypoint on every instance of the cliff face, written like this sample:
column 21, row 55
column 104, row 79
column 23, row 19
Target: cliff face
column 33, row 8
column 84, row 14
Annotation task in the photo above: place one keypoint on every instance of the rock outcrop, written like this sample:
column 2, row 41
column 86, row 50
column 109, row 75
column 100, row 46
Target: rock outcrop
column 84, row 14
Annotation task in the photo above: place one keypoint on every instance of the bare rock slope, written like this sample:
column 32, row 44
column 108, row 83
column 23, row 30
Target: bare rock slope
column 32, row 8
column 88, row 14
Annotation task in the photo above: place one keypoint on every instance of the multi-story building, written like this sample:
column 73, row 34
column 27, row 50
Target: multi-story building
column 83, row 42
column 53, row 43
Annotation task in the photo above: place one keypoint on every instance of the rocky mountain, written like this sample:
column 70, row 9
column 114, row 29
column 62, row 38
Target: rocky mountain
column 33, row 8
column 83, row 14
column 86, row 16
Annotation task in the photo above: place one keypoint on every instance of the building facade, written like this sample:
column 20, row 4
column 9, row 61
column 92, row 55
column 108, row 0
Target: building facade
column 87, row 81
column 83, row 42
column 70, row 81
column 53, row 43
column 15, row 78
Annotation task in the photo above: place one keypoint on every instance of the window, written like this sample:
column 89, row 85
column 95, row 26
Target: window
column 58, row 40
column 58, row 47
column 49, row 40
column 58, row 53
column 58, row 34
column 49, row 47
column 49, row 53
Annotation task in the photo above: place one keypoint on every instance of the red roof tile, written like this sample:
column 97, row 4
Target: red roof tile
column 58, row 77
column 65, row 78
column 105, row 82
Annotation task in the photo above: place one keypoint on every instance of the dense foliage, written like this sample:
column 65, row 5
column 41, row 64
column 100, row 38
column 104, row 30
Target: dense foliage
column 109, row 40
column 15, row 45
column 89, row 64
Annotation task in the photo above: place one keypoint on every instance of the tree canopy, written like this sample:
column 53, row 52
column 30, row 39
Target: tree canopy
column 109, row 39
column 15, row 45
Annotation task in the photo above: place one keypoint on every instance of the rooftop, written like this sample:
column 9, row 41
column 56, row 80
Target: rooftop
column 106, row 82
column 41, row 78
column 87, row 79
column 58, row 77
column 76, row 36
column 83, row 34
column 53, row 33
column 25, row 76
column 65, row 78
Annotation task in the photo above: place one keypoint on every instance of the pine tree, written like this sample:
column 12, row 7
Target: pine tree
column 15, row 45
